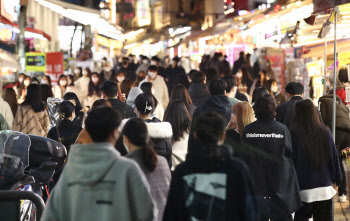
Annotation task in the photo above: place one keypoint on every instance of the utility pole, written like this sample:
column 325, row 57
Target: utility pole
column 22, row 23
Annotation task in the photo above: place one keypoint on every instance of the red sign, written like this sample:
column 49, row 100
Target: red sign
column 54, row 65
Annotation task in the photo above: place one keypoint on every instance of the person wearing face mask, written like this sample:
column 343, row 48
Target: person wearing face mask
column 94, row 92
column 120, row 77
column 70, row 84
column 46, row 80
column 272, row 87
column 77, row 73
column 60, row 89
column 144, row 65
column 129, row 69
column 174, row 71
column 160, row 88
column 82, row 85
column 155, row 60
column 19, row 86
column 22, row 91
column 107, row 74
column 238, row 63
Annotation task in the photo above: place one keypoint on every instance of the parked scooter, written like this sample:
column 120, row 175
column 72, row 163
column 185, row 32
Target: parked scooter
column 28, row 163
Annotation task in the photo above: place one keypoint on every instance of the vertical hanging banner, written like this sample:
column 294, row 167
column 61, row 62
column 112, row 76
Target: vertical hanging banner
column 54, row 65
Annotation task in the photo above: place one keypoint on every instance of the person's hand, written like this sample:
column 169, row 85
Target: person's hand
column 85, row 109
column 231, row 125
column 123, row 97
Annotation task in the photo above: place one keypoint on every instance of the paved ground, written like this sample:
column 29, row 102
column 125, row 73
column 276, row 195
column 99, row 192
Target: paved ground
column 341, row 212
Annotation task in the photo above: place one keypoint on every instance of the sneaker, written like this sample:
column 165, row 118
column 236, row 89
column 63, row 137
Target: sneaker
column 342, row 199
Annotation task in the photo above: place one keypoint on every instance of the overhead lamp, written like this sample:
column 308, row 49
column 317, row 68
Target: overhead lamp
column 103, row 5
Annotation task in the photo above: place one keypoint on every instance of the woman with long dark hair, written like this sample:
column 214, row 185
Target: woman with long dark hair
column 316, row 163
column 179, row 118
column 70, row 84
column 79, row 111
column 60, row 89
column 94, row 92
column 156, row 169
column 158, row 111
column 269, row 157
column 32, row 117
column 9, row 96
column 23, row 89
column 19, row 85
column 272, row 87
column 258, row 93
column 180, row 92
column 159, row 132
column 46, row 92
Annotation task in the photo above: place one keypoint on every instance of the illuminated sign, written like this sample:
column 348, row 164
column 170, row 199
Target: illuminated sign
column 143, row 12
column 7, row 33
column 36, row 62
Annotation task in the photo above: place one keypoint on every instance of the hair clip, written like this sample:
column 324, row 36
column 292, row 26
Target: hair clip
column 147, row 107
column 63, row 115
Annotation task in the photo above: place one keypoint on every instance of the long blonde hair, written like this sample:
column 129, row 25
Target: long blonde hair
column 245, row 115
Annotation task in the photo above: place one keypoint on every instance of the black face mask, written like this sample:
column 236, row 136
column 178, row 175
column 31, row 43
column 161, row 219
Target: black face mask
column 125, row 62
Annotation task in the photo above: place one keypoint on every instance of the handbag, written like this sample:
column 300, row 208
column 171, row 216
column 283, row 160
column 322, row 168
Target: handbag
column 346, row 156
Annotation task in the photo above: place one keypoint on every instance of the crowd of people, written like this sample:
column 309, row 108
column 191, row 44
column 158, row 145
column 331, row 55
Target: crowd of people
column 150, row 142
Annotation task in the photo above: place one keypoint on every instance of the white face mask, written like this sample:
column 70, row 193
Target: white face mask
column 221, row 58
column 43, row 81
column 21, row 79
column 153, row 63
column 239, row 74
column 145, row 62
column 26, row 83
column 94, row 80
column 274, row 89
column 85, row 73
column 152, row 75
column 63, row 82
column 77, row 71
column 107, row 69
column 172, row 62
column 120, row 78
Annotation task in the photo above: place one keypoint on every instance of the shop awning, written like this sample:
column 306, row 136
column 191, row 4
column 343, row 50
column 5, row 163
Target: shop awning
column 85, row 16
column 30, row 32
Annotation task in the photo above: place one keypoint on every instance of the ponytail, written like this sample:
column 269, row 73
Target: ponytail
column 149, row 157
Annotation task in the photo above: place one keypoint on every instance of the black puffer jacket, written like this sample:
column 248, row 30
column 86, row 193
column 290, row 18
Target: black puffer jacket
column 160, row 134
column 198, row 93
column 342, row 112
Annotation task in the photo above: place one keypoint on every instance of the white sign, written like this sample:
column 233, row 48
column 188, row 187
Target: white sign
column 143, row 12
column 9, row 9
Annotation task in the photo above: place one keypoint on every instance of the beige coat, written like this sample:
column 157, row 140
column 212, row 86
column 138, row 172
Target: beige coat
column 29, row 122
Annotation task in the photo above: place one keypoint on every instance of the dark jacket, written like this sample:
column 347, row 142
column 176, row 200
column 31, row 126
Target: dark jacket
column 68, row 132
column 160, row 134
column 174, row 76
column 130, row 72
column 111, row 77
column 286, row 111
column 269, row 159
column 217, row 103
column 211, row 186
column 308, row 176
column 280, row 99
column 342, row 112
column 198, row 93
column 125, row 110
column 237, row 65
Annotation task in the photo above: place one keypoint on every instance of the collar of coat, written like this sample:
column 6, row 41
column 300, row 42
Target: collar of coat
column 157, row 130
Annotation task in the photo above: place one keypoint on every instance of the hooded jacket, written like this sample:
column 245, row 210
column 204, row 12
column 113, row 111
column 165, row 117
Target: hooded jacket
column 269, row 159
column 218, row 103
column 98, row 184
column 198, row 93
column 160, row 134
column 342, row 112
column 211, row 185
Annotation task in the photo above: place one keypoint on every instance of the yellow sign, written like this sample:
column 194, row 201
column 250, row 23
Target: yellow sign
column 344, row 58
column 108, row 42
column 36, row 62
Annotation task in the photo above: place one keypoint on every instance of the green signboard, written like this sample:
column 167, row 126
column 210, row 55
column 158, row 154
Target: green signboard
column 36, row 62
